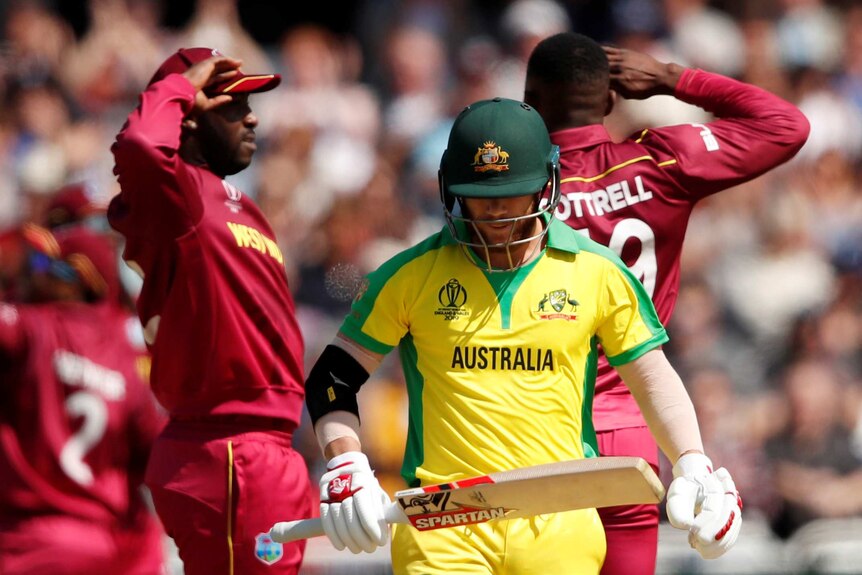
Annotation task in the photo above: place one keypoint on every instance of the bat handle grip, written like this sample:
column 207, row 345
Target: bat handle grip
column 287, row 531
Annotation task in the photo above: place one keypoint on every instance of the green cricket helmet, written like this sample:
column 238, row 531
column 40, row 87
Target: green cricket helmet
column 498, row 148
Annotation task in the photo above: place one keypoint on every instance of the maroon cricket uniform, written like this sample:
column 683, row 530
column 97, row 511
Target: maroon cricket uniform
column 76, row 425
column 227, row 349
column 215, row 286
column 636, row 197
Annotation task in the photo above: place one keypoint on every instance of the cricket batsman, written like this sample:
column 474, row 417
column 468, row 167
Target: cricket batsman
column 497, row 319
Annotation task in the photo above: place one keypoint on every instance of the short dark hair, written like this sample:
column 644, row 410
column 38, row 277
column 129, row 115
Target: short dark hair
column 569, row 58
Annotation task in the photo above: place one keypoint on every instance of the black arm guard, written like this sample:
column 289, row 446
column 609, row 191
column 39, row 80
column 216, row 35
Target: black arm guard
column 333, row 383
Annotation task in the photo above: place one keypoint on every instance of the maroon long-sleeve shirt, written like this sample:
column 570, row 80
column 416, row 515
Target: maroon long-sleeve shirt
column 215, row 304
column 636, row 196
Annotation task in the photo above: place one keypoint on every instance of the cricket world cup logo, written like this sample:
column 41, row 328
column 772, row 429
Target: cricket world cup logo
column 233, row 196
column 452, row 296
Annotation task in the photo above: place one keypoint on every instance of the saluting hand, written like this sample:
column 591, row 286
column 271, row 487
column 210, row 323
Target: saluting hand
column 636, row 76
column 208, row 72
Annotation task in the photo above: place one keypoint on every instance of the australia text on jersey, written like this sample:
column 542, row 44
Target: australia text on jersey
column 503, row 358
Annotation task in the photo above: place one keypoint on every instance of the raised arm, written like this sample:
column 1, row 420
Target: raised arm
column 154, row 194
column 754, row 132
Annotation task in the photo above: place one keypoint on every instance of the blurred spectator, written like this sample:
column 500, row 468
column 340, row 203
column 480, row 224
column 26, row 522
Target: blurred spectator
column 705, row 37
column 217, row 23
column 35, row 41
column 703, row 336
column 523, row 24
column 850, row 77
column 810, row 34
column 330, row 283
column 762, row 65
column 833, row 197
column 734, row 428
column 783, row 278
column 116, row 57
column 816, row 473
column 416, row 72
column 836, row 124
column 41, row 114
column 322, row 90
column 325, row 125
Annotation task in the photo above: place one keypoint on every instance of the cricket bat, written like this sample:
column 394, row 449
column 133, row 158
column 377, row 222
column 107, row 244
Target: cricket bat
column 524, row 492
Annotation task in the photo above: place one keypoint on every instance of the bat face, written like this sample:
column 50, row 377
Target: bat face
column 523, row 492
column 434, row 507
column 529, row 491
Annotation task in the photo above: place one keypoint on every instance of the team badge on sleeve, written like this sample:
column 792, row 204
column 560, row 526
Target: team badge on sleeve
column 266, row 550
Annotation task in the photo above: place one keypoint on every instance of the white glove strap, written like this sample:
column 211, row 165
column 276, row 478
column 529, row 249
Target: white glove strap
column 356, row 457
column 692, row 464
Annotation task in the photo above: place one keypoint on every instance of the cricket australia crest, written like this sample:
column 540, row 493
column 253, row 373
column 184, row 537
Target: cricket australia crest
column 490, row 157
column 554, row 304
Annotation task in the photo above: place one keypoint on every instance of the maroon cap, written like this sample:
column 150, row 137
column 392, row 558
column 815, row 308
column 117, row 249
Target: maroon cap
column 71, row 204
column 185, row 58
column 93, row 256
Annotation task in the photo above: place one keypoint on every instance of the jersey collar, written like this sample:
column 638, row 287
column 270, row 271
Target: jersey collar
column 562, row 237
column 579, row 138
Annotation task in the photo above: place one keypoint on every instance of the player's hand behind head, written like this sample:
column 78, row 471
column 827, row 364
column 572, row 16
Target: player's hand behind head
column 208, row 72
column 636, row 76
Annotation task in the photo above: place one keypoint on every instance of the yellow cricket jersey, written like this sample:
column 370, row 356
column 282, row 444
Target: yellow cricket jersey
column 500, row 366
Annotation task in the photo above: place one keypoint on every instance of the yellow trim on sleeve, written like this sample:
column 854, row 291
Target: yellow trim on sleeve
column 615, row 168
column 606, row 172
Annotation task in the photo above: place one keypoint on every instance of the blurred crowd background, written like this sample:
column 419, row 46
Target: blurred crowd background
column 768, row 329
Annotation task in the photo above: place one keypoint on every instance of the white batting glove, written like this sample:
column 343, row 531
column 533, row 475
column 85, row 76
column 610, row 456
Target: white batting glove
column 706, row 504
column 352, row 504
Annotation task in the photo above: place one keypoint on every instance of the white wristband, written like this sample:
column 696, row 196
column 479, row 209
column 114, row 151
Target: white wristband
column 334, row 425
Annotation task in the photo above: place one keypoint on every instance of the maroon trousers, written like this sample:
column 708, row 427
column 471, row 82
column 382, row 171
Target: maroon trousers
column 219, row 486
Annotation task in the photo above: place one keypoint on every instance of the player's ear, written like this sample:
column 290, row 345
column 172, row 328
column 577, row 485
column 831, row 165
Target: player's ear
column 612, row 100
column 190, row 124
